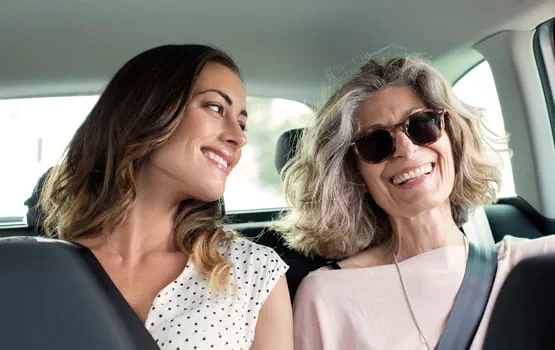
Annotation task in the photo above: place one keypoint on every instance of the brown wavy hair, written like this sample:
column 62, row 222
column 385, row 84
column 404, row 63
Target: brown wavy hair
column 332, row 213
column 91, row 192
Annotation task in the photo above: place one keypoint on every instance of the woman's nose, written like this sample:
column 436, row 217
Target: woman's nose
column 404, row 147
column 234, row 134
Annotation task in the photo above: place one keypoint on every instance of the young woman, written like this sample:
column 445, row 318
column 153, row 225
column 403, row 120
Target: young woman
column 139, row 186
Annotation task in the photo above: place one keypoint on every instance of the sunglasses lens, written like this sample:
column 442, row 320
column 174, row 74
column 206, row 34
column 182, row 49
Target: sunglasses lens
column 424, row 127
column 375, row 146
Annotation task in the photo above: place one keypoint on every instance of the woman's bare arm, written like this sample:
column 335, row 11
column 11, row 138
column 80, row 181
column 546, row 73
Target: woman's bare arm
column 274, row 328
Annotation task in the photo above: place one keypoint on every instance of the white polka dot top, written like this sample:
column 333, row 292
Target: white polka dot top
column 188, row 315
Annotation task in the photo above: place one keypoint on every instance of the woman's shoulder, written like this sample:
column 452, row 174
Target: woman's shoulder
column 256, row 269
column 245, row 254
column 246, row 247
column 514, row 249
column 327, row 283
column 319, row 278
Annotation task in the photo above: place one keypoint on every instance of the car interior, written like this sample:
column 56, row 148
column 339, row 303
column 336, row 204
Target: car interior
column 58, row 55
column 43, row 310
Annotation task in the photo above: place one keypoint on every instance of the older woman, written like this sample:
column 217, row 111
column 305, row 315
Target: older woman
column 384, row 180
column 139, row 186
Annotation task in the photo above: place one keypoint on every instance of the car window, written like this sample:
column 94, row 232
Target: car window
column 33, row 135
column 477, row 88
column 35, row 131
column 255, row 182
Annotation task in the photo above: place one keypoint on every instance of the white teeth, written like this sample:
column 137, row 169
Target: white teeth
column 216, row 158
column 424, row 169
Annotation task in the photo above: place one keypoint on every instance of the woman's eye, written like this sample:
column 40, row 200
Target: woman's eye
column 215, row 107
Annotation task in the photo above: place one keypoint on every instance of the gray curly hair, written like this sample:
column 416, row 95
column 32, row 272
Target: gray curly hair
column 332, row 214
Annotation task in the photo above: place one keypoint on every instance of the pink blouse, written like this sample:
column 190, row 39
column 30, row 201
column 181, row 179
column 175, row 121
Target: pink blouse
column 365, row 308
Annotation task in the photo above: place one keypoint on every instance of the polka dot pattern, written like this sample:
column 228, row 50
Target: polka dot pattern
column 186, row 314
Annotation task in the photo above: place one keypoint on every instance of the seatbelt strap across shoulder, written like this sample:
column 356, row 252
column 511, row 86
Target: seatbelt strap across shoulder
column 473, row 295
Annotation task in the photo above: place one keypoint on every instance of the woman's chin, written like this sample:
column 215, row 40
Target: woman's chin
column 211, row 195
column 206, row 194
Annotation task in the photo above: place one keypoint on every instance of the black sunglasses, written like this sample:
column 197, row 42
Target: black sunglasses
column 423, row 127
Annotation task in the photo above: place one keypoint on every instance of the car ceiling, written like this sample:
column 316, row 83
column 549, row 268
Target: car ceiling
column 286, row 48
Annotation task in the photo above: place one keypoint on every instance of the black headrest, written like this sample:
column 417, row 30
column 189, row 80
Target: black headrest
column 56, row 295
column 286, row 147
column 35, row 216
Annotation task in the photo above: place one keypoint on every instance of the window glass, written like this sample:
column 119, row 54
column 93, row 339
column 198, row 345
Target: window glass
column 255, row 182
column 34, row 133
column 477, row 88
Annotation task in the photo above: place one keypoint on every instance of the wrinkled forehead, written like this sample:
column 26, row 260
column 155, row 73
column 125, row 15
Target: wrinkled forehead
column 388, row 106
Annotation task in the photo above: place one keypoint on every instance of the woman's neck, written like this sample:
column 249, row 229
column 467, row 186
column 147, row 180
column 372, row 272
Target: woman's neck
column 427, row 231
column 411, row 236
column 146, row 229
column 149, row 227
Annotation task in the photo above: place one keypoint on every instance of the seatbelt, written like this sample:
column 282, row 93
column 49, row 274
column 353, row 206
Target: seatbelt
column 473, row 295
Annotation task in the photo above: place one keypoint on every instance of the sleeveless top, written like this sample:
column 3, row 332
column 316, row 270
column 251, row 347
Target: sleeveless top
column 187, row 314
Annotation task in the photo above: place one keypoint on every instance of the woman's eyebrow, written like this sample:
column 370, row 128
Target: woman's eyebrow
column 225, row 96
column 405, row 116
